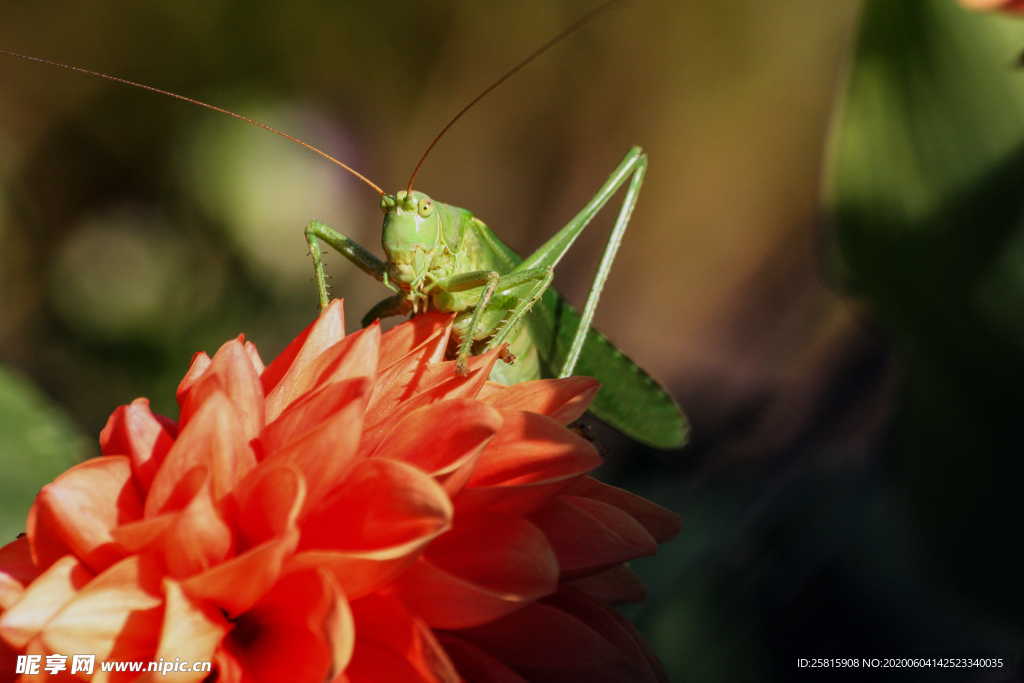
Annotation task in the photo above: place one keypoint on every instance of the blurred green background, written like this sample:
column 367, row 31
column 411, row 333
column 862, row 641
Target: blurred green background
column 842, row 318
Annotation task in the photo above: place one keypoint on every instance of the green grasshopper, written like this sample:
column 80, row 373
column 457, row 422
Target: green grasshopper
column 442, row 258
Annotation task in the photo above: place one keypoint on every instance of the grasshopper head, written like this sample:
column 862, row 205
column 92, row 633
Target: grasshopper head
column 412, row 236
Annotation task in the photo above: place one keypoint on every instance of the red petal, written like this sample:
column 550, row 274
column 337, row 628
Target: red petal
column 189, row 540
column 196, row 369
column 475, row 665
column 310, row 412
column 588, row 535
column 141, row 534
column 286, row 378
column 42, row 599
column 215, row 439
column 561, row 640
column 457, row 431
column 254, row 357
column 402, row 339
column 530, row 459
column 197, row 539
column 374, row 524
column 438, row 382
column 77, row 511
column 231, row 374
column 614, row 627
column 662, row 523
column 326, row 453
column 382, row 504
column 269, row 501
column 612, row 586
column 477, row 574
column 237, row 584
column 354, row 356
column 563, row 400
column 400, row 380
column 393, row 645
column 117, row 615
column 190, row 632
column 301, row 631
column 134, row 430
column 16, row 571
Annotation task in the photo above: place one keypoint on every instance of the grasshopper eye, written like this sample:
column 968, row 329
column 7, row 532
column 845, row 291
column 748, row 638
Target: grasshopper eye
column 387, row 202
column 425, row 207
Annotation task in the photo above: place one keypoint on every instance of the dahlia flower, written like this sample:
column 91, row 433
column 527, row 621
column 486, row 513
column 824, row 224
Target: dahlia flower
column 355, row 511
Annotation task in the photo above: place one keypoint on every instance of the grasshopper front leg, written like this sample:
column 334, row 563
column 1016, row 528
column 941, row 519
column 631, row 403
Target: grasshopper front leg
column 347, row 247
column 491, row 281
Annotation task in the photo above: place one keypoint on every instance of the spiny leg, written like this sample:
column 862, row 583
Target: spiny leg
column 348, row 248
column 491, row 281
column 543, row 276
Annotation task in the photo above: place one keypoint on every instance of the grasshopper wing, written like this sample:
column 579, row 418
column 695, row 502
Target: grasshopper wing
column 629, row 400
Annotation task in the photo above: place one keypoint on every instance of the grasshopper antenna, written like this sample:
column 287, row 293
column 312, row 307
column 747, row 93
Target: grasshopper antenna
column 240, row 117
column 572, row 28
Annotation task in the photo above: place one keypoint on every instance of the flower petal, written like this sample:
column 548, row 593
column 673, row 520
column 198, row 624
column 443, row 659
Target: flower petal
column 415, row 334
column 310, row 412
column 117, row 615
column 566, row 639
column 662, row 523
column 479, row 573
column 231, row 374
column 475, row 665
column 237, row 584
column 254, row 358
column 394, row 645
column 16, row 571
column 391, row 511
column 134, row 430
column 300, row 632
column 588, row 535
column 530, row 459
column 399, row 380
column 442, row 439
column 77, row 511
column 190, row 632
column 215, row 439
column 437, row 382
column 563, row 400
column 612, row 586
column 42, row 599
column 326, row 453
column 354, row 356
column 198, row 537
column 269, row 501
column 196, row 369
column 286, row 378
column 384, row 503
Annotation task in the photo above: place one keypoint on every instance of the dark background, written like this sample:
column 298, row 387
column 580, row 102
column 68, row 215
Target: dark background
column 842, row 318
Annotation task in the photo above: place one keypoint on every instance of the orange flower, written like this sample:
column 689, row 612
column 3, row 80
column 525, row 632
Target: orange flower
column 356, row 511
